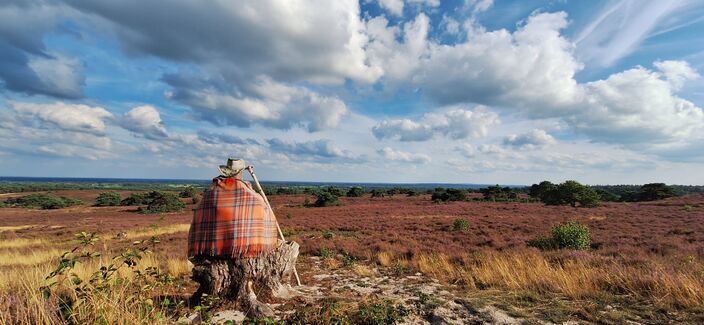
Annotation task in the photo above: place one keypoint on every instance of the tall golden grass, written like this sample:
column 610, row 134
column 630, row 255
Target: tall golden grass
column 656, row 281
column 22, row 274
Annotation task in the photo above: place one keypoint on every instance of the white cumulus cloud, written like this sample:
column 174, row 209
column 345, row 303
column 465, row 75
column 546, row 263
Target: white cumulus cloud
column 403, row 156
column 455, row 123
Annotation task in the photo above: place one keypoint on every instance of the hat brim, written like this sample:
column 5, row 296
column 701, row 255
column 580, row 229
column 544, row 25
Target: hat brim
column 227, row 171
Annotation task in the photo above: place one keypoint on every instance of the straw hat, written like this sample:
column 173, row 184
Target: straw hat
column 234, row 166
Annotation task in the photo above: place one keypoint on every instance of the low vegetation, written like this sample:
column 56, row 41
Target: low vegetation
column 448, row 194
column 41, row 201
column 162, row 202
column 327, row 197
column 105, row 199
column 568, row 193
column 569, row 235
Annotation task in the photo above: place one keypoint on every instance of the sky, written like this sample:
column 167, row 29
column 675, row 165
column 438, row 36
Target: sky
column 409, row 91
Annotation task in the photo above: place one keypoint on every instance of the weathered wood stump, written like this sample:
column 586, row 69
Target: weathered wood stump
column 248, row 282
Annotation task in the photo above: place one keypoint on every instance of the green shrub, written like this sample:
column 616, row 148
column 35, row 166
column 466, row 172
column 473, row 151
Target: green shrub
column 355, row 191
column 140, row 198
column 325, row 199
column 106, row 199
column 378, row 193
column 161, row 202
column 328, row 235
column 42, row 201
column 343, row 312
column 542, row 243
column 379, row 312
column 449, row 194
column 348, row 259
column 327, row 253
column 571, row 235
column 498, row 193
column 189, row 191
column 460, row 224
column 288, row 231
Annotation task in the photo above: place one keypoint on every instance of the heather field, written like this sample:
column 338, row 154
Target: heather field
column 644, row 263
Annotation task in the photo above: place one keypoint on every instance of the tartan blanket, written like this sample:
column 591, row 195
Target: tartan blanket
column 232, row 221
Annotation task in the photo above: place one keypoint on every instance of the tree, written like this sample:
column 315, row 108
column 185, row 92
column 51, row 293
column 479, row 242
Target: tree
column 498, row 193
column 325, row 199
column 570, row 192
column 355, row 191
column 160, row 202
column 378, row 193
column 108, row 199
column 449, row 194
column 189, row 191
column 655, row 191
column 537, row 190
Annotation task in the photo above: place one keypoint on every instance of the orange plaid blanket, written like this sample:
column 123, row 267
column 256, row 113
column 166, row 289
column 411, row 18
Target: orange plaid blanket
column 232, row 221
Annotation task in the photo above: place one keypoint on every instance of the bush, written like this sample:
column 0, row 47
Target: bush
column 460, row 224
column 378, row 193
column 542, row 243
column 327, row 253
column 337, row 311
column 571, row 235
column 42, row 201
column 328, row 235
column 499, row 193
column 140, row 198
column 569, row 192
column 106, row 199
column 325, row 199
column 355, row 191
column 160, row 202
column 450, row 194
column 655, row 191
column 189, row 191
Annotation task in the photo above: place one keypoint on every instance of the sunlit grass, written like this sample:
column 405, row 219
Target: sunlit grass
column 15, row 228
column 22, row 242
column 163, row 230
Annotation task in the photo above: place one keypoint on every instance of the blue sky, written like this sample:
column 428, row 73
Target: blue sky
column 473, row 91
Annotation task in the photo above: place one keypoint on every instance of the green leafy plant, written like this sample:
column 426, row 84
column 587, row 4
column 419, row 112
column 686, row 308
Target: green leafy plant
column 105, row 199
column 460, row 224
column 571, row 235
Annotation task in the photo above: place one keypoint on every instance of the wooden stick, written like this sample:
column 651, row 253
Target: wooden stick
column 250, row 168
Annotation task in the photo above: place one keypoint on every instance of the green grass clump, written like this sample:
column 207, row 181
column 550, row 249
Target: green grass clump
column 460, row 224
column 106, row 199
column 327, row 253
column 42, row 201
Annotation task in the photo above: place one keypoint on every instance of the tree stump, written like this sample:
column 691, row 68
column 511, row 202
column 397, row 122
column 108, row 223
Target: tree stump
column 248, row 282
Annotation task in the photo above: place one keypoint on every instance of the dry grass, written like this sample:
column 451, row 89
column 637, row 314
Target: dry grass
column 34, row 257
column 157, row 231
column 15, row 228
column 22, row 242
column 584, row 277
